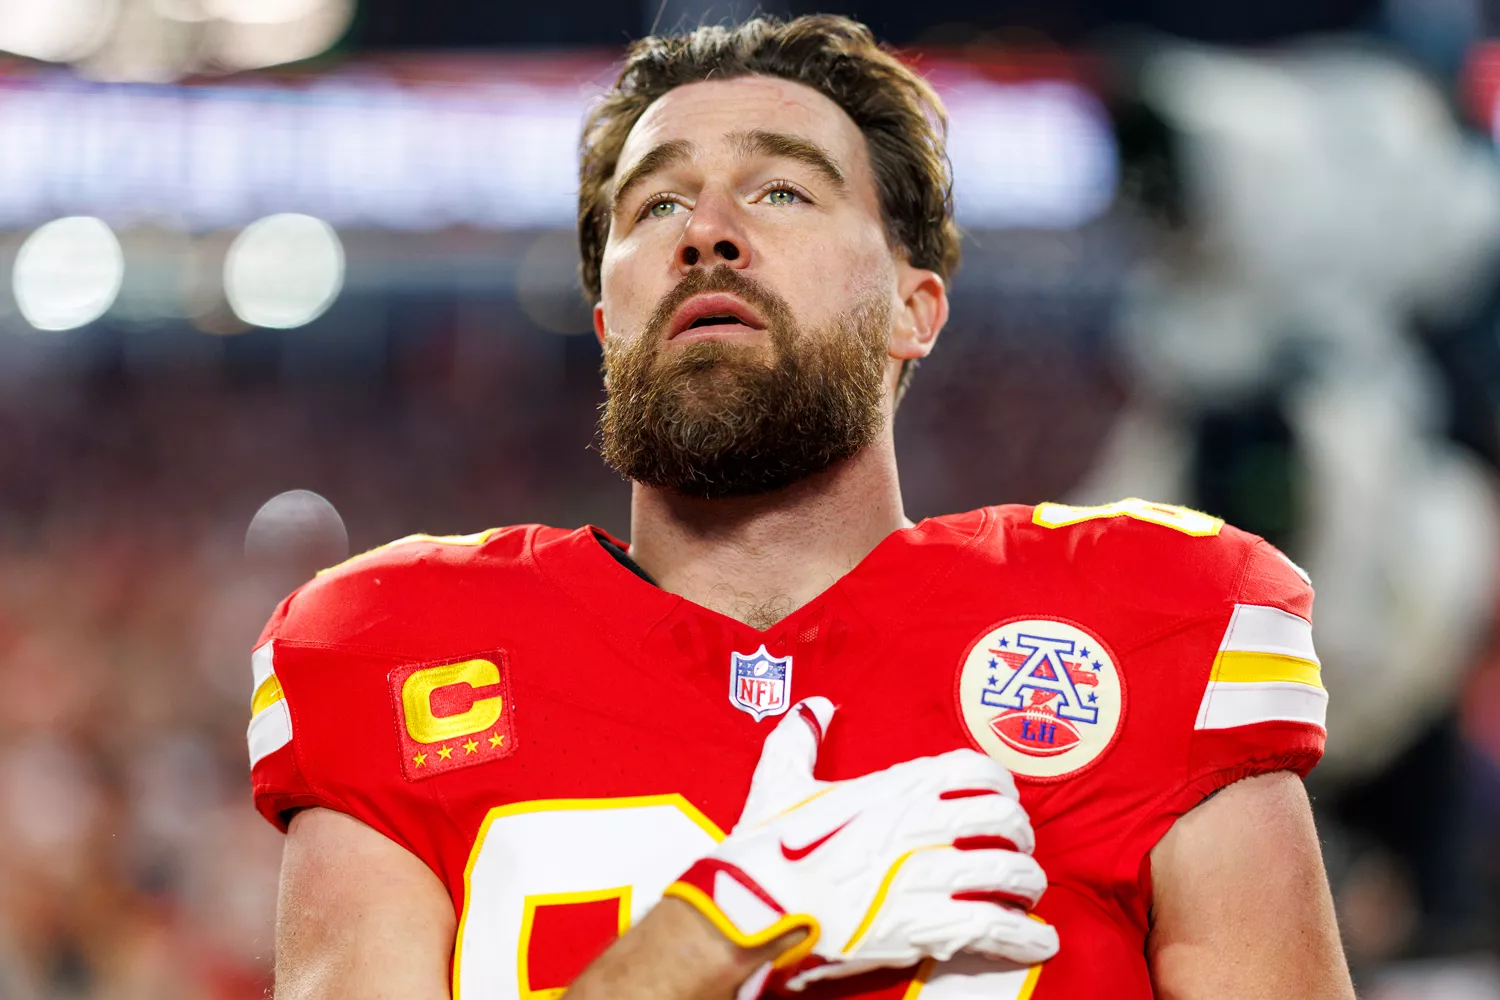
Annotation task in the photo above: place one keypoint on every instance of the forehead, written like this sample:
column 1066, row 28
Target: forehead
column 706, row 112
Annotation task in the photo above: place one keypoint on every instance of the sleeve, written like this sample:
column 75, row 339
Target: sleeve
column 322, row 726
column 1262, row 708
column 1255, row 703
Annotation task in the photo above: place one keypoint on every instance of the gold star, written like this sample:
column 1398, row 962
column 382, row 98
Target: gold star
column 496, row 740
column 445, row 753
column 419, row 759
column 471, row 746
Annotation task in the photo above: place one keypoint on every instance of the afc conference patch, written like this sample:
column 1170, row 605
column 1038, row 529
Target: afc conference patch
column 1043, row 697
column 760, row 684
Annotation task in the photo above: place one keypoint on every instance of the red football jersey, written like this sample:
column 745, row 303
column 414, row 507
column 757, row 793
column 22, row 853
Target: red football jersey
column 559, row 739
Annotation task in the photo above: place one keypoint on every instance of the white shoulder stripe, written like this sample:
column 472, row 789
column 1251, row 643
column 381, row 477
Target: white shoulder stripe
column 1255, row 628
column 1226, row 706
column 261, row 664
column 269, row 731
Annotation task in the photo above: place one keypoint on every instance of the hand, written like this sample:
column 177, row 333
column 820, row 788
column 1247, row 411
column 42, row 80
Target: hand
column 925, row 859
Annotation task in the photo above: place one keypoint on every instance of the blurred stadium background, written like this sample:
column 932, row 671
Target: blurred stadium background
column 1240, row 256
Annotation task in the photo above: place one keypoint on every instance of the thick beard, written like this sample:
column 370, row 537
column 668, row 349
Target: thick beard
column 717, row 420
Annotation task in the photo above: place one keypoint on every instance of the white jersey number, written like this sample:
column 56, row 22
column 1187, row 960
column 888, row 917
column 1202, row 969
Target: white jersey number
column 550, row 883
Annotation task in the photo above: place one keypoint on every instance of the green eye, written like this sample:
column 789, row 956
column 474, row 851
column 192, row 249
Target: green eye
column 662, row 209
column 781, row 196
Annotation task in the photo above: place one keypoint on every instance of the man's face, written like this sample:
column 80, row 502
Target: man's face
column 747, row 291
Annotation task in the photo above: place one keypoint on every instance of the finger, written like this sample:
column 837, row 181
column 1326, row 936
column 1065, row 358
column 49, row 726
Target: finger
column 784, row 774
column 965, row 769
column 994, row 877
column 1011, row 936
column 976, row 822
column 943, row 928
column 959, row 772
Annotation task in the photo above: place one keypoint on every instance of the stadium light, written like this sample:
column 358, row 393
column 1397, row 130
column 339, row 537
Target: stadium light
column 284, row 271
column 68, row 273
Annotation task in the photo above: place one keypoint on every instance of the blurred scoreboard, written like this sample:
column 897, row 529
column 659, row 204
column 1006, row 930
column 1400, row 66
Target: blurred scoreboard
column 487, row 142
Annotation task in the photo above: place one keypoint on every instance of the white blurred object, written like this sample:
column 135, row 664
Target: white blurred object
column 1334, row 199
column 161, row 40
column 295, row 528
column 261, row 11
column 68, row 273
column 55, row 30
column 284, row 271
column 265, row 33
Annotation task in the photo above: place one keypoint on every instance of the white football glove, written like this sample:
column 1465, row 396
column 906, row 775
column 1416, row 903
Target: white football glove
column 925, row 859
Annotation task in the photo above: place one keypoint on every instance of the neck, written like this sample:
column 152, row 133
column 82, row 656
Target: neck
column 758, row 559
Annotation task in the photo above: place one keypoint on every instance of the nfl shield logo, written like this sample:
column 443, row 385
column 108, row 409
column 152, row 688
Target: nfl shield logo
column 760, row 683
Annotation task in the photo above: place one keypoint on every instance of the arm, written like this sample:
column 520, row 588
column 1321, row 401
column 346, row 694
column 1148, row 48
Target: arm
column 1241, row 907
column 361, row 918
column 674, row 953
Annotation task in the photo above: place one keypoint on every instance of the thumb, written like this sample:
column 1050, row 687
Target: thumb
column 784, row 775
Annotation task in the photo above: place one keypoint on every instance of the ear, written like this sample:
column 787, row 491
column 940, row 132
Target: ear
column 599, row 322
column 923, row 311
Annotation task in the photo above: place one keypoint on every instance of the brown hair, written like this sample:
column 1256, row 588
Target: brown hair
column 898, row 112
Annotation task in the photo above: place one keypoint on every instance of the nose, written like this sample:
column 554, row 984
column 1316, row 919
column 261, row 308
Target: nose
column 713, row 235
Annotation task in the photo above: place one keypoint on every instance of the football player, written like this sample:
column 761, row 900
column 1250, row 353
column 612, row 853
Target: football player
column 785, row 740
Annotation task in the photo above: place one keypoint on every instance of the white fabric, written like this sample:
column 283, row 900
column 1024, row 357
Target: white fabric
column 896, row 833
column 743, row 908
column 1255, row 628
column 269, row 731
column 261, row 665
column 1227, row 705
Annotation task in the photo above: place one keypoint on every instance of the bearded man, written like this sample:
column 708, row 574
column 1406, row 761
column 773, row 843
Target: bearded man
column 1018, row 752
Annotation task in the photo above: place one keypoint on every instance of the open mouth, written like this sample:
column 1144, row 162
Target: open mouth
column 719, row 320
column 715, row 311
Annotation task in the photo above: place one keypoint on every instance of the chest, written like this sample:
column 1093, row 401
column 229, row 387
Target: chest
column 633, row 757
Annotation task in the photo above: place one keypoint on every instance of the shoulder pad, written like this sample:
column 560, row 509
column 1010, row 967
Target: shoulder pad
column 414, row 548
column 344, row 602
column 1160, row 555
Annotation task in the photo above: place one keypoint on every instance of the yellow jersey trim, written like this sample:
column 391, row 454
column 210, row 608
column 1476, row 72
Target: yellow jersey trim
column 705, row 905
column 478, row 538
column 881, row 893
column 553, row 805
column 1237, row 667
column 268, row 694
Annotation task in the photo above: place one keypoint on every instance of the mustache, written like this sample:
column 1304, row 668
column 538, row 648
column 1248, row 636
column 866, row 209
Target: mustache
column 720, row 278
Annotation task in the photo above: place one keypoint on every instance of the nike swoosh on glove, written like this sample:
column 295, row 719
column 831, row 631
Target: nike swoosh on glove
column 925, row 859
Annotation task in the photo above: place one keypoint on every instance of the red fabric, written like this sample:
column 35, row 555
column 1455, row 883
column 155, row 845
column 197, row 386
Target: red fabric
column 620, row 689
column 566, row 938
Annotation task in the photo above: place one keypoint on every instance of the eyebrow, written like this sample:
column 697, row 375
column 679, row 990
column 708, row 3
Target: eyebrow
column 761, row 142
column 756, row 142
column 659, row 157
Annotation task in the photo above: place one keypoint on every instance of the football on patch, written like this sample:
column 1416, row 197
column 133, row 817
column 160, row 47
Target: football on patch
column 1035, row 732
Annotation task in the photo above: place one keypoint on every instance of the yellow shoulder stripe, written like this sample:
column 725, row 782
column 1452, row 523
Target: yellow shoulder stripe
column 268, row 694
column 1183, row 519
column 478, row 538
column 1237, row 666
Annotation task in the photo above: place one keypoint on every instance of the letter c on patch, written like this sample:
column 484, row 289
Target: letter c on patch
column 416, row 701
